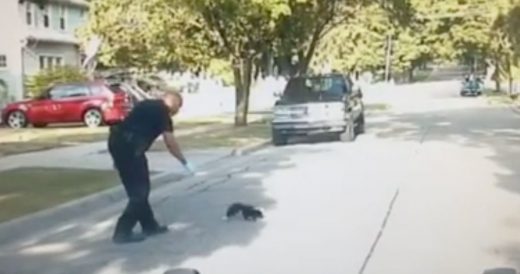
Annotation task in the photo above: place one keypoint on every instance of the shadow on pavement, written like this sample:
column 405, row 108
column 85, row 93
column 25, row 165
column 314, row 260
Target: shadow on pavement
column 493, row 131
column 501, row 271
column 194, row 213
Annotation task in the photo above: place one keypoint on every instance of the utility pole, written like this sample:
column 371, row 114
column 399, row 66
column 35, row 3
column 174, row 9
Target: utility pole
column 388, row 57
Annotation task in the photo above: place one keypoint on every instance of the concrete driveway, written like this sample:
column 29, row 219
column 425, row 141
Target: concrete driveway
column 433, row 187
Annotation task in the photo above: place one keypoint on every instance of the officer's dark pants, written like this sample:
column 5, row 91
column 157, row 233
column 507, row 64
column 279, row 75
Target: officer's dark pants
column 134, row 174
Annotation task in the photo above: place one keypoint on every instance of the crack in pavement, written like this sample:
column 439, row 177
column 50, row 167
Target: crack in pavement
column 425, row 131
column 379, row 234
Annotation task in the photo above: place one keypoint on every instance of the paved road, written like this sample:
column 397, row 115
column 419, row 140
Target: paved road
column 432, row 188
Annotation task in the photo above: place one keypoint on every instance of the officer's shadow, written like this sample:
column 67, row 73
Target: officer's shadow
column 193, row 213
column 197, row 226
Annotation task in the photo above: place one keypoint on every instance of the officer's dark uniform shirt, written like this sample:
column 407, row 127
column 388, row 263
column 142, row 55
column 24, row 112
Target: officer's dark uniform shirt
column 147, row 120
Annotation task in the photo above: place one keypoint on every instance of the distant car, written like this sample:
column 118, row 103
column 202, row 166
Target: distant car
column 318, row 104
column 472, row 87
column 92, row 103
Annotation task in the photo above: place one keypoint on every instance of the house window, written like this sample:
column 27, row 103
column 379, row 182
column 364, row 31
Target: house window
column 63, row 23
column 50, row 62
column 46, row 17
column 42, row 62
column 3, row 61
column 29, row 13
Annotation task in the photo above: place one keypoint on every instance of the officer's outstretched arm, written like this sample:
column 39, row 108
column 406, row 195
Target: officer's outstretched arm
column 173, row 147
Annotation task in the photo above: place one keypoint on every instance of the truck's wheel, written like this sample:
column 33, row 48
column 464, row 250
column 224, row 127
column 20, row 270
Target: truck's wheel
column 360, row 124
column 279, row 139
column 349, row 135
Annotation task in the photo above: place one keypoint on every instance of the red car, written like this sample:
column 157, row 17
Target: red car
column 93, row 104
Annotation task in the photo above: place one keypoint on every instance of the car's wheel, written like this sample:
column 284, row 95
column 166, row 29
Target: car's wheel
column 39, row 125
column 349, row 135
column 17, row 119
column 93, row 118
column 360, row 124
column 279, row 139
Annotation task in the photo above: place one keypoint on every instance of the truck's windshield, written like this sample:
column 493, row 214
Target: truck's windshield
column 309, row 89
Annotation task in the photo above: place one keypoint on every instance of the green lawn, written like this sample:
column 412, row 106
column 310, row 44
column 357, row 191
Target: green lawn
column 498, row 98
column 36, row 139
column 232, row 137
column 27, row 190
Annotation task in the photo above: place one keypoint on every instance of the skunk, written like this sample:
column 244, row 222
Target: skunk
column 249, row 212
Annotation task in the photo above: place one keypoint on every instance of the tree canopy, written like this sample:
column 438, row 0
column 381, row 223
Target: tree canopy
column 347, row 35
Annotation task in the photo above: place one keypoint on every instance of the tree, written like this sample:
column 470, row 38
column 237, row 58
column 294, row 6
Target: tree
column 356, row 45
column 471, row 34
column 153, row 34
column 243, row 30
column 361, row 42
column 182, row 33
column 299, row 32
column 506, row 47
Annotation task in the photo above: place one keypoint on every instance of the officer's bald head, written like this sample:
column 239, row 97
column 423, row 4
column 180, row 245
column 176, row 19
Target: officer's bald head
column 173, row 100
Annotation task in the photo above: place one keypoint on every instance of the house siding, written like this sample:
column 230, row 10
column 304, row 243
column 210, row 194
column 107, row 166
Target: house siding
column 11, row 47
column 23, row 56
column 69, row 53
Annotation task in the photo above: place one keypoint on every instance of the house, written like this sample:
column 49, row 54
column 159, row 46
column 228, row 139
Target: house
column 34, row 37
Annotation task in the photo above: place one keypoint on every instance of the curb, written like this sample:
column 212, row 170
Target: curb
column 28, row 224
column 250, row 148
column 515, row 108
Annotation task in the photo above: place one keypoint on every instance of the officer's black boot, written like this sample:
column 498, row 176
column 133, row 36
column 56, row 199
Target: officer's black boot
column 123, row 233
column 151, row 227
column 160, row 229
column 148, row 222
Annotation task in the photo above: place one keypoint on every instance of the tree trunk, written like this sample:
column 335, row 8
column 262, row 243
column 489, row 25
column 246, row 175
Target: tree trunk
column 257, row 69
column 306, row 61
column 285, row 67
column 242, row 70
column 496, row 75
column 410, row 74
column 509, row 76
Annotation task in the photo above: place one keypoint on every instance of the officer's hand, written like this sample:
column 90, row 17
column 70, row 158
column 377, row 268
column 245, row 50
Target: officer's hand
column 189, row 168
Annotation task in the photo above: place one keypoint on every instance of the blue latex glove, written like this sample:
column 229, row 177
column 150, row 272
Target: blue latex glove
column 189, row 167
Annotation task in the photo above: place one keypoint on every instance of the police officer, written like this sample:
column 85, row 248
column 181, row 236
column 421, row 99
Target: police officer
column 127, row 144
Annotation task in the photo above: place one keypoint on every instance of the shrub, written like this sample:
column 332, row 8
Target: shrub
column 38, row 83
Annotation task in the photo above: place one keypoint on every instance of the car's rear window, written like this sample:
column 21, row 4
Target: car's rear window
column 309, row 89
